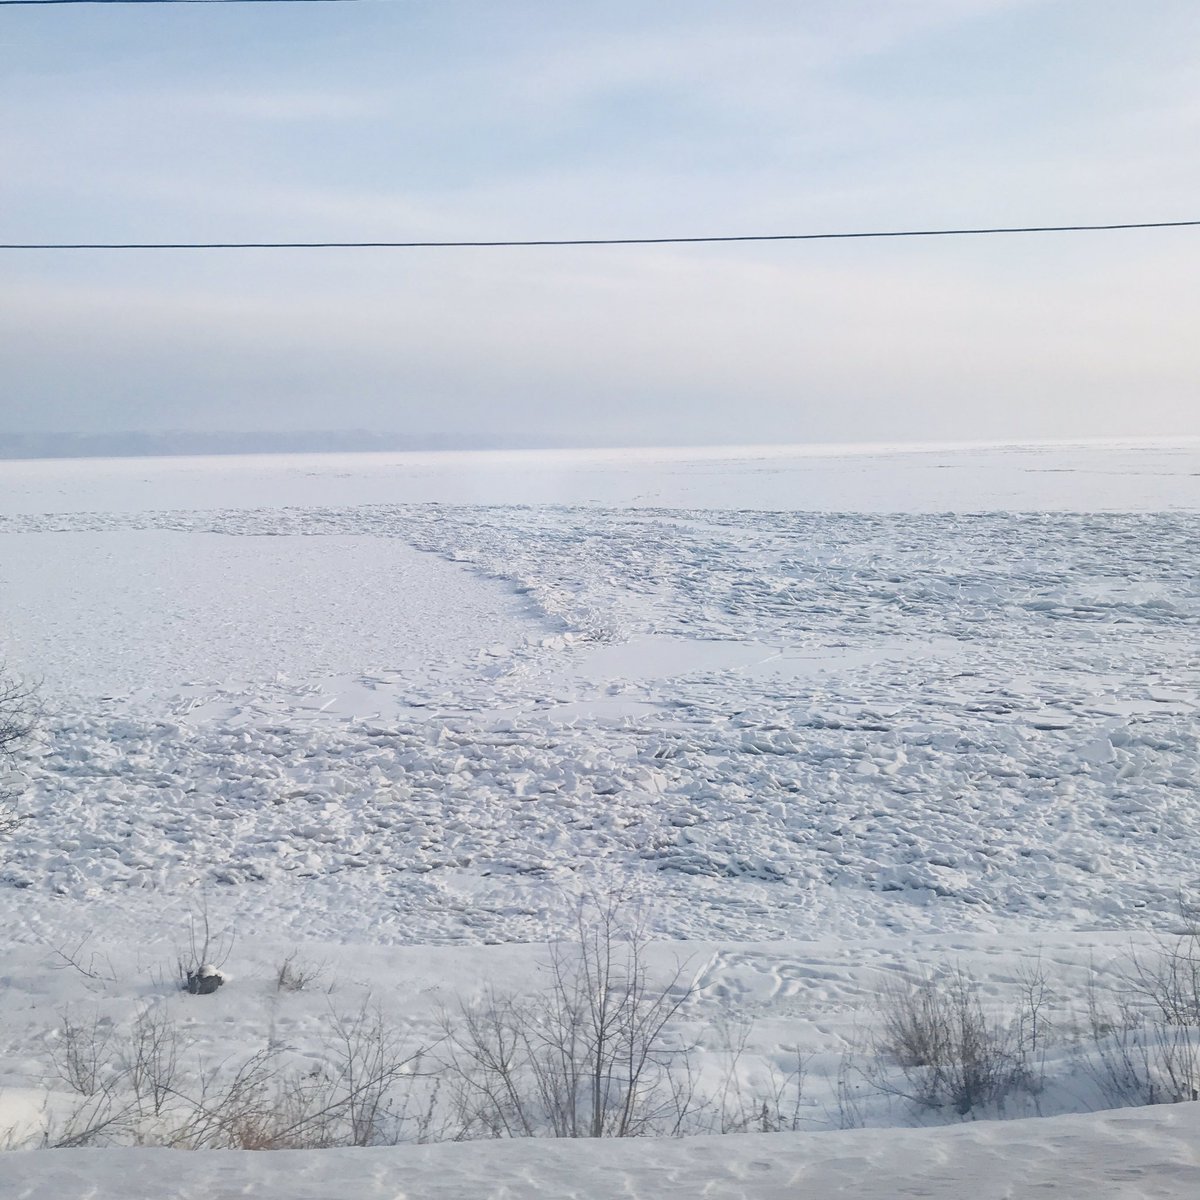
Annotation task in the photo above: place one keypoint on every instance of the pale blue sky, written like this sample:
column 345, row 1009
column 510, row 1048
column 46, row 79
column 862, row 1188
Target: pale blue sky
column 415, row 119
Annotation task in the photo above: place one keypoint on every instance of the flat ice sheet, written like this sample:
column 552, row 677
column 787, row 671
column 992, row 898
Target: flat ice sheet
column 149, row 614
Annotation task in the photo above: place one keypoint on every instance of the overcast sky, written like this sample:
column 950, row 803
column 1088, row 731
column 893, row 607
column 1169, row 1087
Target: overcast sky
column 458, row 119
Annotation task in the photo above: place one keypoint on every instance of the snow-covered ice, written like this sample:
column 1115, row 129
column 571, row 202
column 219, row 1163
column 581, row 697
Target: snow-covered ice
column 770, row 721
column 1113, row 476
column 826, row 714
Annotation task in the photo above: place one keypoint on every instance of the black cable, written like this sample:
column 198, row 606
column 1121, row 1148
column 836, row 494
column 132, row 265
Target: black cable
column 38, row 3
column 643, row 241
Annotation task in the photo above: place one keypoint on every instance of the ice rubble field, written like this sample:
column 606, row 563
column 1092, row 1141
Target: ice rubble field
column 831, row 716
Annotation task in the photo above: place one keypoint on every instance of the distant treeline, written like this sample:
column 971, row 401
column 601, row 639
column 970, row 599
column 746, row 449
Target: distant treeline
column 141, row 444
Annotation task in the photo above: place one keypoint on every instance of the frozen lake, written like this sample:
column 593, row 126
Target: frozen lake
column 825, row 717
column 770, row 718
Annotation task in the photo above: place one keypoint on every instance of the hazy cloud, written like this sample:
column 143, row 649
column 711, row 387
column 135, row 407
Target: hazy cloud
column 476, row 120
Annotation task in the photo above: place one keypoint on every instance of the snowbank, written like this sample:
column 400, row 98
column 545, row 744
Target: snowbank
column 1148, row 1154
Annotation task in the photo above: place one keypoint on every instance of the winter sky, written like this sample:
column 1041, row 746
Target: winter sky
column 459, row 119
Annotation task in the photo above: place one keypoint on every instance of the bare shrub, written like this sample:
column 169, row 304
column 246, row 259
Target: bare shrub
column 848, row 1111
column 102, row 1119
column 87, row 963
column 1146, row 1048
column 19, row 712
column 126, row 1076
column 951, row 1055
column 591, row 1056
column 208, row 950
column 361, row 1097
column 81, row 1052
column 151, row 1060
column 1168, row 979
column 1141, row 1063
column 368, row 1060
column 230, row 1110
column 294, row 974
column 1033, row 1029
column 779, row 1109
column 364, row 1094
column 774, row 1105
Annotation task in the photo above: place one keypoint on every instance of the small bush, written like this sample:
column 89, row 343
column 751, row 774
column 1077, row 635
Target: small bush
column 1168, row 980
column 19, row 711
column 591, row 1056
column 1146, row 1049
column 199, row 966
column 951, row 1055
column 293, row 974
column 137, row 1089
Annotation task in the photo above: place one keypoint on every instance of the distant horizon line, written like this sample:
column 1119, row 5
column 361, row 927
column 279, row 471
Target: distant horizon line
column 44, row 446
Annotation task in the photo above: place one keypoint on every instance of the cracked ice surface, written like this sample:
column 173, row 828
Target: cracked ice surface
column 422, row 722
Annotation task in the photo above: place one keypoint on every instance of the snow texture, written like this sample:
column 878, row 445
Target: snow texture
column 831, row 717
column 1141, row 1155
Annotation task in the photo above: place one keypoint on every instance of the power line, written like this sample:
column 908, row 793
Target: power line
column 529, row 242
column 127, row 3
